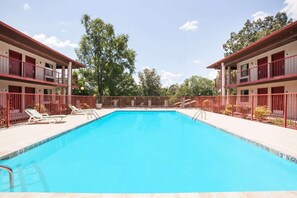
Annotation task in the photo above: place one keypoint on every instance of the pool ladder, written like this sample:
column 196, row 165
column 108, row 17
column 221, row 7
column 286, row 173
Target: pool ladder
column 10, row 171
column 199, row 113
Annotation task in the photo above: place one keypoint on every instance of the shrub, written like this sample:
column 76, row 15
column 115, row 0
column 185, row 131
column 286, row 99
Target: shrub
column 243, row 110
column 41, row 109
column 205, row 104
column 226, row 112
column 278, row 121
column 261, row 112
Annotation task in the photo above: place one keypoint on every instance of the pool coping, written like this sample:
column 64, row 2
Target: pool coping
column 274, row 151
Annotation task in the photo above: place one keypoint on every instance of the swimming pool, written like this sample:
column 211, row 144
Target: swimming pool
column 148, row 152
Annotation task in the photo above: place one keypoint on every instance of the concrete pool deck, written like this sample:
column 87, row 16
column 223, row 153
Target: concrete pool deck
column 275, row 138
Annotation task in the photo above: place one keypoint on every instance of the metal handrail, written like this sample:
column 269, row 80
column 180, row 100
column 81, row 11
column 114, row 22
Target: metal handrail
column 92, row 112
column 96, row 114
column 11, row 177
column 199, row 113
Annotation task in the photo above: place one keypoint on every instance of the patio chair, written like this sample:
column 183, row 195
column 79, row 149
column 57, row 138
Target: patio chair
column 76, row 111
column 190, row 103
column 36, row 117
column 79, row 111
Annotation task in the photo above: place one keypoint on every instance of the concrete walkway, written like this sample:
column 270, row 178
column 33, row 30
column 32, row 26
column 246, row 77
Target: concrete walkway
column 279, row 140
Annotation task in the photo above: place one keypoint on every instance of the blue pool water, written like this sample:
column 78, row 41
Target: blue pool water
column 148, row 152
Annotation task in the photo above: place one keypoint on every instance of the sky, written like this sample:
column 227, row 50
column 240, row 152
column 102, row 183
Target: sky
column 179, row 38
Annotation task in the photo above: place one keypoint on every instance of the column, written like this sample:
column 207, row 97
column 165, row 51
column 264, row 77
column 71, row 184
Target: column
column 69, row 82
column 223, row 78
column 223, row 83
column 63, row 82
column 229, row 76
column 228, row 96
column 63, row 74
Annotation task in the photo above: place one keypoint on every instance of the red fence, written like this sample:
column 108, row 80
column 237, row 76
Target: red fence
column 12, row 105
column 278, row 109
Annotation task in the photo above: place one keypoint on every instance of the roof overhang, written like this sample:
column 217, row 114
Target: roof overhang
column 16, row 38
column 276, row 39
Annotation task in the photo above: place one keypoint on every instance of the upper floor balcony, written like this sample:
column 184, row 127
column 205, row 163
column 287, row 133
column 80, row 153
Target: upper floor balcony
column 280, row 70
column 14, row 69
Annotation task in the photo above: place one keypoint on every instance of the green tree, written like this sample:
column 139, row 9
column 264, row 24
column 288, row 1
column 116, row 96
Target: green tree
column 150, row 82
column 254, row 30
column 106, row 55
column 170, row 91
column 85, row 87
column 196, row 86
column 126, row 86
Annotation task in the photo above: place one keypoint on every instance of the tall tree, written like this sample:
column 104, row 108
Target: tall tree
column 196, row 86
column 106, row 55
column 126, row 86
column 150, row 82
column 254, row 30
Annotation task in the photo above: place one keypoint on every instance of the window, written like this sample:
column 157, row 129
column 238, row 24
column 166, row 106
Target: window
column 244, row 70
column 49, row 69
column 48, row 94
column 244, row 95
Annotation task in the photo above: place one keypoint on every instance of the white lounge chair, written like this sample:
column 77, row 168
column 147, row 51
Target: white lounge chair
column 75, row 110
column 190, row 103
column 79, row 111
column 36, row 117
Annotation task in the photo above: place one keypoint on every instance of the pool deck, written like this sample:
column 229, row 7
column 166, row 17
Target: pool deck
column 273, row 138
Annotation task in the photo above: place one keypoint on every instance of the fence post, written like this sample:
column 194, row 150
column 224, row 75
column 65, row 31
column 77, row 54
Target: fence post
column 285, row 111
column 197, row 102
column 252, row 110
column 60, row 105
column 39, row 101
column 219, row 106
column 8, row 110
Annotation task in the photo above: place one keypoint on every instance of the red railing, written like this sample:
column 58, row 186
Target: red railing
column 280, row 69
column 12, row 67
column 278, row 109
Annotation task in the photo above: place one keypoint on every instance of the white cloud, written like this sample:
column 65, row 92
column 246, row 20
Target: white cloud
column 53, row 41
column 212, row 74
column 259, row 15
column 27, row 7
column 290, row 8
column 197, row 61
column 189, row 26
column 168, row 78
column 63, row 30
column 62, row 23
